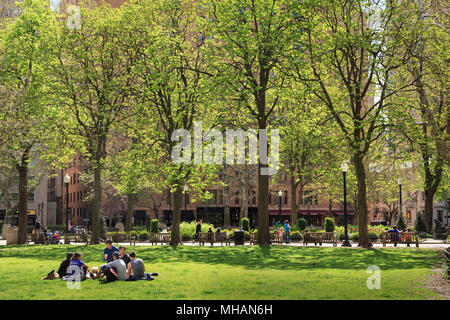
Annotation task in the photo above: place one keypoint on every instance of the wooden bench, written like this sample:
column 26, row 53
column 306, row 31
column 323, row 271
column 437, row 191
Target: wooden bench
column 132, row 239
column 319, row 238
column 275, row 238
column 253, row 237
column 401, row 237
column 162, row 238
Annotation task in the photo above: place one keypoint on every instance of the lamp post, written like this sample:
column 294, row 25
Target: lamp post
column 400, row 181
column 185, row 189
column 344, row 168
column 280, row 196
column 66, row 182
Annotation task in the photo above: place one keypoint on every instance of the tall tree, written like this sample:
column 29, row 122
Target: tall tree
column 93, row 83
column 27, row 121
column 250, row 41
column 175, row 89
column 352, row 51
column 423, row 114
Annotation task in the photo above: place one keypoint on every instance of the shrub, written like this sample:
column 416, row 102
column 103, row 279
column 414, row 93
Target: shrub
column 329, row 224
column 301, row 223
column 134, row 234
column 154, row 226
column 355, row 236
column 401, row 224
column 138, row 228
column 296, row 236
column 373, row 236
column 420, row 223
column 245, row 224
column 143, row 235
column 56, row 227
column 187, row 229
column 116, row 236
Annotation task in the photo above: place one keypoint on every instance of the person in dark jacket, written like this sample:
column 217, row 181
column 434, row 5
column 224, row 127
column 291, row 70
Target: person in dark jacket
column 198, row 228
column 124, row 256
column 62, row 271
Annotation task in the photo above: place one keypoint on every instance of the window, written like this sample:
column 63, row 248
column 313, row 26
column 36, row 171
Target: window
column 70, row 197
column 30, row 197
column 285, row 197
column 236, row 197
column 14, row 196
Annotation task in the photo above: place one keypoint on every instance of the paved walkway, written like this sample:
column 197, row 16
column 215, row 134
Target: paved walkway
column 428, row 244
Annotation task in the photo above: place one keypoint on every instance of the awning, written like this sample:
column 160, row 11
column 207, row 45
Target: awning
column 341, row 212
column 277, row 212
column 313, row 212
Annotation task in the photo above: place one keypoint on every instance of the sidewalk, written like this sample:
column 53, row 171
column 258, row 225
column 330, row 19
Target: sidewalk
column 427, row 244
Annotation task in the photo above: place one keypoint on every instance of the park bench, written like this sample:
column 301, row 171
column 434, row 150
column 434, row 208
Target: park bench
column 162, row 238
column 275, row 238
column 132, row 239
column 81, row 237
column 401, row 237
column 253, row 237
column 319, row 238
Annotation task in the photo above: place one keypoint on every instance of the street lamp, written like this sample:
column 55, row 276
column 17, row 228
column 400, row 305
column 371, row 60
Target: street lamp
column 400, row 182
column 344, row 168
column 66, row 182
column 185, row 189
column 280, row 195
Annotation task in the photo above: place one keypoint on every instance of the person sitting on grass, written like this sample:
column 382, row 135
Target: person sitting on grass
column 136, row 269
column 123, row 255
column 62, row 271
column 115, row 270
column 109, row 250
column 78, row 270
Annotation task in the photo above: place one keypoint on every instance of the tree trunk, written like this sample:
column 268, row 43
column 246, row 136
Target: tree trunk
column 428, row 217
column 130, row 207
column 361, row 201
column 176, row 237
column 22, row 204
column 226, row 207
column 294, row 206
column 96, row 205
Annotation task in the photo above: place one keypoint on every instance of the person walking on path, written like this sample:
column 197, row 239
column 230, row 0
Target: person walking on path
column 287, row 231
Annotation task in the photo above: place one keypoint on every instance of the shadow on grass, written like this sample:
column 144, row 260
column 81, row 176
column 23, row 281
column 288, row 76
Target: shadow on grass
column 250, row 257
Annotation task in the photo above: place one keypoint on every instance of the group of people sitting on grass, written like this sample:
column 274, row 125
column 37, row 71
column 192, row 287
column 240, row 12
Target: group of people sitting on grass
column 120, row 266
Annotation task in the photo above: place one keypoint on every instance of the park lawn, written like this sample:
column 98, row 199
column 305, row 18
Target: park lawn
column 186, row 272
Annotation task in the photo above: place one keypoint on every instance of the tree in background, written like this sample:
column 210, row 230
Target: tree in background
column 27, row 120
column 93, row 82
column 352, row 50
column 422, row 114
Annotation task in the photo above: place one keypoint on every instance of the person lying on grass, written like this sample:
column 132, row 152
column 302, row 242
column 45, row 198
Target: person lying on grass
column 62, row 271
column 136, row 269
column 78, row 270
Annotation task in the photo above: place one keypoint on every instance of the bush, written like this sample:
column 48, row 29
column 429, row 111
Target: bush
column 187, row 229
column 301, row 223
column 138, row 228
column 134, row 234
column 245, row 224
column 401, row 224
column 296, row 236
column 355, row 236
column 56, row 227
column 420, row 223
column 143, row 235
column 329, row 225
column 116, row 236
column 373, row 236
column 154, row 226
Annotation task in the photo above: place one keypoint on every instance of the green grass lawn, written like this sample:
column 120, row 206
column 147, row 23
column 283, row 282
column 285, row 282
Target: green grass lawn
column 227, row 273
